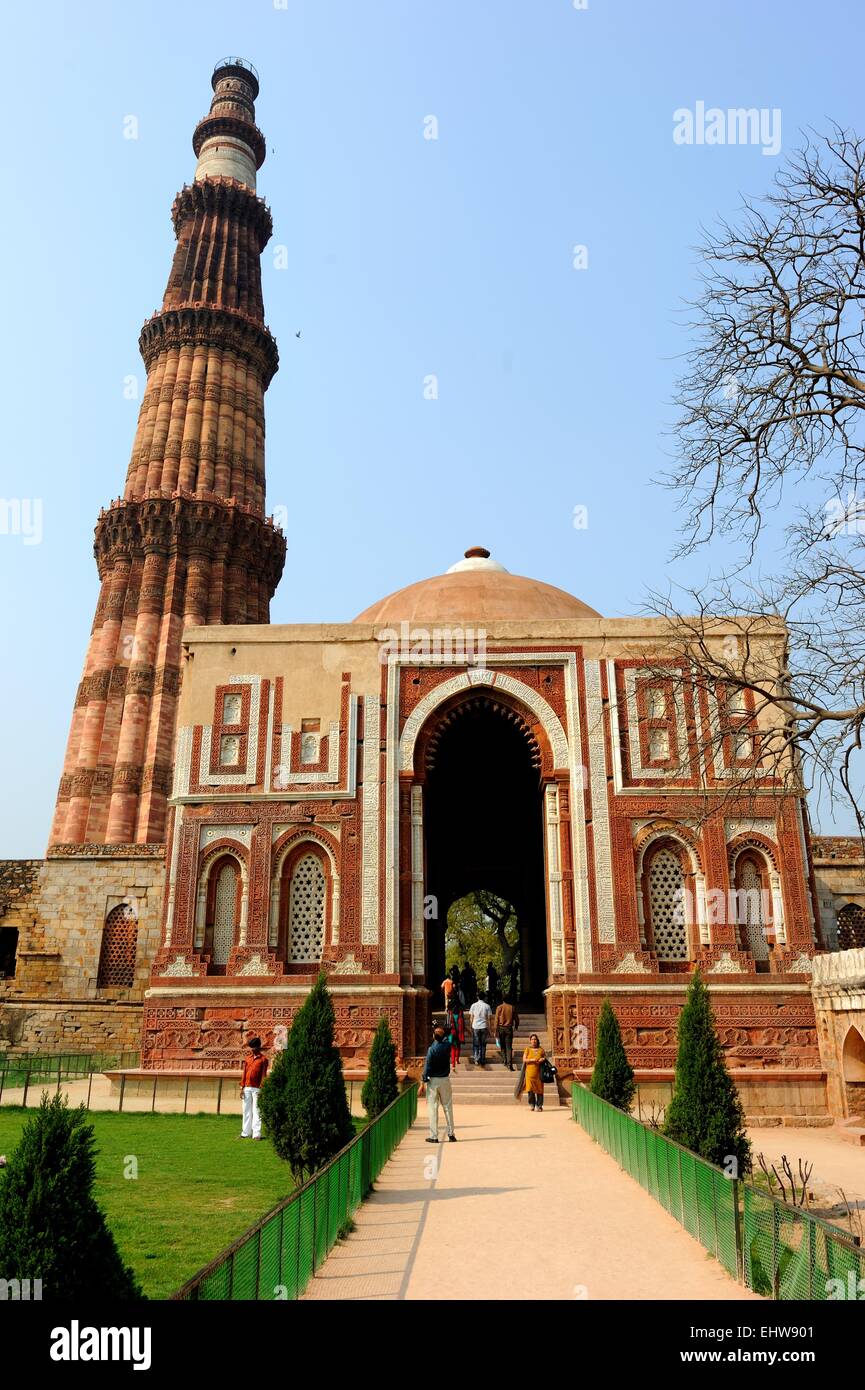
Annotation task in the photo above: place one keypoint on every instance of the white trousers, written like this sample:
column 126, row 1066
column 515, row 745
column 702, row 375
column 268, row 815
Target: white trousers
column 439, row 1088
column 251, row 1118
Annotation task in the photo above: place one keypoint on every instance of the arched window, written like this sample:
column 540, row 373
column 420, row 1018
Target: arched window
column 8, row 951
column 303, row 897
column 851, row 926
column 853, row 1067
column 223, row 912
column 753, row 905
column 119, row 944
column 667, row 902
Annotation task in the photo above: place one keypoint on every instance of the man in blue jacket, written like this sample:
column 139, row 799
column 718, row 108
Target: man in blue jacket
column 436, row 1080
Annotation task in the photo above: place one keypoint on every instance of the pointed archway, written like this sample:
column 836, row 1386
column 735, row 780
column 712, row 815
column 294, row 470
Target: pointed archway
column 480, row 761
column 853, row 1071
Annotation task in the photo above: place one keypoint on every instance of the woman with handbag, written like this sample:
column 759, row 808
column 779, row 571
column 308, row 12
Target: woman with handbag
column 531, row 1079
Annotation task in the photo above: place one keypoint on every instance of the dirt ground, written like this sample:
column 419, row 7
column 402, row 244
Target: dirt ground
column 836, row 1164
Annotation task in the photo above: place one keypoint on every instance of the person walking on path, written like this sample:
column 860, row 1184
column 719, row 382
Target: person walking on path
column 468, row 985
column 530, row 1074
column 480, row 1014
column 252, row 1076
column 506, row 1020
column 448, row 989
column 436, row 1083
column 456, row 1031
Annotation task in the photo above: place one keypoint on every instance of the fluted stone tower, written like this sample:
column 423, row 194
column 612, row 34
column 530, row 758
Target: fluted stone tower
column 188, row 542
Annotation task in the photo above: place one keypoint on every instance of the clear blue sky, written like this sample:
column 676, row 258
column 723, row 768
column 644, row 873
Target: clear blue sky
column 406, row 257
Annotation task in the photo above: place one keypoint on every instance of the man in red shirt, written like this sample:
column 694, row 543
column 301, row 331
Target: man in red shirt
column 254, row 1072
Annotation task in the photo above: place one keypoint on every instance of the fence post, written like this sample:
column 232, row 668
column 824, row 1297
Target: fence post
column 89, row 1088
column 298, row 1223
column 776, row 1275
column 738, row 1228
column 26, row 1087
column 314, row 1224
column 279, row 1270
column 219, row 1096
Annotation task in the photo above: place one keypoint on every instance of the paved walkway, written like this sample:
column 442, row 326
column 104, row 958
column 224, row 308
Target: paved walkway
column 521, row 1206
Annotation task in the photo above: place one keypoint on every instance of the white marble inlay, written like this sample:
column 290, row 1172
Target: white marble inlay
column 600, row 804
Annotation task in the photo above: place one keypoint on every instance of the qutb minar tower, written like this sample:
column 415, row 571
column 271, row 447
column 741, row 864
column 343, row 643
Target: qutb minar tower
column 188, row 543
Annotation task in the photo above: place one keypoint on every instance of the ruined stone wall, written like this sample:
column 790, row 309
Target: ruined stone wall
column 839, row 1004
column 59, row 906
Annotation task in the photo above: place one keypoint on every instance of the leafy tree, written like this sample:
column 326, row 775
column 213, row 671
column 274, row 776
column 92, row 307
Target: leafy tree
column 380, row 1087
column 705, row 1113
column 612, row 1075
column 303, row 1102
column 482, row 927
column 50, row 1225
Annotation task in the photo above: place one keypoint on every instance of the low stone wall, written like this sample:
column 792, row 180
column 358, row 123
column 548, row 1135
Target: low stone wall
column 81, row 1025
column 795, row 1098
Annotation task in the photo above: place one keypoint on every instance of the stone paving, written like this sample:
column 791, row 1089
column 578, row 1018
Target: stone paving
column 522, row 1206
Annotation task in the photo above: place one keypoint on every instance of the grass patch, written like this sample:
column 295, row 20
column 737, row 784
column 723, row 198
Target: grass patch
column 197, row 1188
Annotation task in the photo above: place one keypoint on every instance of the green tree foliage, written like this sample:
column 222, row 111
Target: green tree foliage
column 612, row 1075
column 380, row 1087
column 303, row 1102
column 482, row 927
column 50, row 1225
column 705, row 1113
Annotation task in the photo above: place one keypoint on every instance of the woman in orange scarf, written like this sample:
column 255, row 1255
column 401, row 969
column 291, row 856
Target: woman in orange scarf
column 530, row 1074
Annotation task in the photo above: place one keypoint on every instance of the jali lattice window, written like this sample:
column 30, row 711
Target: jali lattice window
column 667, row 906
column 751, row 908
column 119, row 944
column 851, row 926
column 224, row 912
column 306, row 910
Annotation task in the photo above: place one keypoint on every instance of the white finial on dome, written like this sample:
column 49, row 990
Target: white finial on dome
column 477, row 558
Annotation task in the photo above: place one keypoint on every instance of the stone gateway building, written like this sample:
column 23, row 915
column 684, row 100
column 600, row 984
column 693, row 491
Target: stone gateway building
column 244, row 805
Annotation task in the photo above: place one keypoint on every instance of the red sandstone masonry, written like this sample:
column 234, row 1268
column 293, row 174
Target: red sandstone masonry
column 188, row 544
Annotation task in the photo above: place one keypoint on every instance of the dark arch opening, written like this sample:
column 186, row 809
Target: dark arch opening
column 483, row 820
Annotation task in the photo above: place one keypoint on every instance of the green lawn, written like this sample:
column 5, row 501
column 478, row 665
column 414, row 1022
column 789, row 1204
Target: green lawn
column 197, row 1187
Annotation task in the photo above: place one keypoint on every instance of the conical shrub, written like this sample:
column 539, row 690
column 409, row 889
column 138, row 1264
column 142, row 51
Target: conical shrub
column 705, row 1113
column 612, row 1075
column 303, row 1102
column 381, row 1086
column 50, row 1225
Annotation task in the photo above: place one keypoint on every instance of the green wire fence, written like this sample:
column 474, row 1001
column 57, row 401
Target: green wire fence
column 777, row 1250
column 277, row 1257
column 22, row 1070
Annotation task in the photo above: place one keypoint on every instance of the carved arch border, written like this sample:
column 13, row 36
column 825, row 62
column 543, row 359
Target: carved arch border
column 287, row 843
column 751, row 839
column 667, row 830
column 207, row 861
column 502, row 684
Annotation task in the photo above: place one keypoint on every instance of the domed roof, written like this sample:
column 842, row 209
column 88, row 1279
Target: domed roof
column 476, row 589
